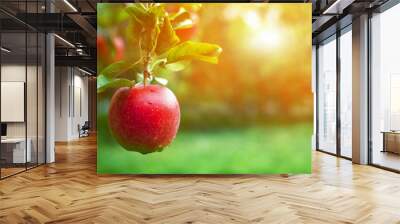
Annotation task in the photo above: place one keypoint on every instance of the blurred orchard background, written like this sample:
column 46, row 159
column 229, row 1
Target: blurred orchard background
column 250, row 113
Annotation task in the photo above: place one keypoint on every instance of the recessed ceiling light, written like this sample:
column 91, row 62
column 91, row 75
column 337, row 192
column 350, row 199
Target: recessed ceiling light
column 65, row 41
column 84, row 71
column 70, row 5
column 338, row 6
column 5, row 50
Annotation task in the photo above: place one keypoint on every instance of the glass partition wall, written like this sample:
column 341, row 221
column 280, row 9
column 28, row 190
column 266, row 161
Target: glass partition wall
column 327, row 95
column 385, row 89
column 22, row 77
column 334, row 112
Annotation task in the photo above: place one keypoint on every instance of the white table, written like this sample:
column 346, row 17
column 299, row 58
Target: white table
column 19, row 155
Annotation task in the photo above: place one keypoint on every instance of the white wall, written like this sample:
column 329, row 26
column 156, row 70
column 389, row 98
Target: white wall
column 70, row 83
column 61, row 103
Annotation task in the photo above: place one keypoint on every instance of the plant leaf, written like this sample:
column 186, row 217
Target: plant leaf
column 110, row 14
column 104, row 83
column 157, row 63
column 138, row 12
column 150, row 33
column 190, row 50
column 117, row 68
column 181, row 20
column 182, row 14
column 159, row 66
column 176, row 67
column 158, row 10
column 167, row 37
column 184, row 24
column 161, row 81
column 148, row 19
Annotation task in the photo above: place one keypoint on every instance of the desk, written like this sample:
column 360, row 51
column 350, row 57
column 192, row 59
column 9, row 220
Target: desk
column 17, row 150
column 391, row 141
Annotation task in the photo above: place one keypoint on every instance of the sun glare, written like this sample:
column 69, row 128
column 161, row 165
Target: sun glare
column 265, row 31
column 269, row 38
column 252, row 19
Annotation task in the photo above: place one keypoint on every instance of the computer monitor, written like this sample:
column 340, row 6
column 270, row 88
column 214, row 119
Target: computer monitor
column 3, row 129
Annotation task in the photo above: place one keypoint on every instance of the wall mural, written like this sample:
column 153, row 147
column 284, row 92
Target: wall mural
column 204, row 88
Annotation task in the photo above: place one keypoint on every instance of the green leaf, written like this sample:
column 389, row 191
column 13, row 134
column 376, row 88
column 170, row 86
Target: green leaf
column 180, row 16
column 110, row 14
column 167, row 38
column 190, row 50
column 151, row 30
column 184, row 24
column 148, row 19
column 176, row 67
column 117, row 68
column 158, row 10
column 181, row 19
column 157, row 63
column 159, row 66
column 138, row 12
column 161, row 81
column 104, row 83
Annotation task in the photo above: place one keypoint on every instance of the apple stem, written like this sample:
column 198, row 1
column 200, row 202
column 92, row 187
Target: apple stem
column 146, row 72
column 145, row 75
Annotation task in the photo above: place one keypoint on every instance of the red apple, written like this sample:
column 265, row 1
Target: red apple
column 144, row 118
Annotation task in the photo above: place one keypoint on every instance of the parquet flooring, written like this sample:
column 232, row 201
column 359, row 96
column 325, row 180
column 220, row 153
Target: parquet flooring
column 70, row 191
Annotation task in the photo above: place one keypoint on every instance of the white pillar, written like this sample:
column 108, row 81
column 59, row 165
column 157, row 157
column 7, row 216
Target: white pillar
column 50, row 92
column 50, row 100
column 360, row 89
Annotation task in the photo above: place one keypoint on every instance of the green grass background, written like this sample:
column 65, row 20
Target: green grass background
column 254, row 150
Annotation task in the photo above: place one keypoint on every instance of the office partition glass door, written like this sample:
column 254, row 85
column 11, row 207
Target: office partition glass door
column 385, row 89
column 327, row 95
column 22, row 77
column 14, row 145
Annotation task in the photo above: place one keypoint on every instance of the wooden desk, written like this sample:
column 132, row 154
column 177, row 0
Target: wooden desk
column 16, row 147
column 391, row 141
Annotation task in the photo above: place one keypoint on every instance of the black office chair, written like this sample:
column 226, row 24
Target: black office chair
column 84, row 130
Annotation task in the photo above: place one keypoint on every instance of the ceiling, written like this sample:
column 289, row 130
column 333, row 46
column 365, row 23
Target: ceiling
column 76, row 22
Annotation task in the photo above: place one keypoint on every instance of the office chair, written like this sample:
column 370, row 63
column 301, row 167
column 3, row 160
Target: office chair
column 84, row 130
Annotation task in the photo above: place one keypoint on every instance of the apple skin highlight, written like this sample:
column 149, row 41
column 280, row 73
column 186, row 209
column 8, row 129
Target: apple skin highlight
column 144, row 119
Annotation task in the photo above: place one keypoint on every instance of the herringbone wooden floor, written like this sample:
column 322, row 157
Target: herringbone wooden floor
column 69, row 191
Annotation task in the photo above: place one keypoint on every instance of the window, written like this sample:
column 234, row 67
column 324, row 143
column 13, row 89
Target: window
column 385, row 89
column 327, row 96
